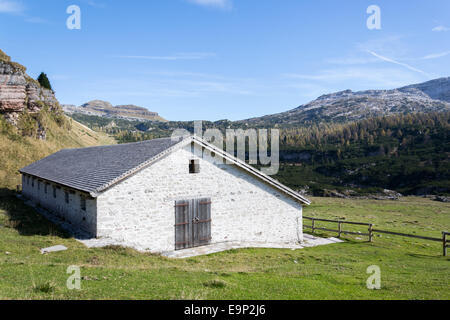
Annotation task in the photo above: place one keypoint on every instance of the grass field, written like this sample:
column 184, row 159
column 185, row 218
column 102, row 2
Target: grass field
column 410, row 269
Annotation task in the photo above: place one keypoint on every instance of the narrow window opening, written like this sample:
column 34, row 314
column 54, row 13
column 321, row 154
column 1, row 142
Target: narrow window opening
column 194, row 166
column 66, row 196
column 54, row 192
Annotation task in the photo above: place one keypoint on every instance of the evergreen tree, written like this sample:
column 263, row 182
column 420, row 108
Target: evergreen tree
column 44, row 82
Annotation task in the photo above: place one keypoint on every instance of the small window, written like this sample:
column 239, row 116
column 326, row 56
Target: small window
column 83, row 203
column 54, row 192
column 66, row 196
column 39, row 185
column 194, row 166
column 46, row 188
column 32, row 182
column 28, row 180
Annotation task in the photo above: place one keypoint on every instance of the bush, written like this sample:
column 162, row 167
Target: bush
column 216, row 283
column 46, row 287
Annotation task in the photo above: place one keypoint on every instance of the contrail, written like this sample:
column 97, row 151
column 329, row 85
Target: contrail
column 399, row 63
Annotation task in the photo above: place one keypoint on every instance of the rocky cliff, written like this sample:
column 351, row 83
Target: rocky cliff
column 21, row 94
column 106, row 109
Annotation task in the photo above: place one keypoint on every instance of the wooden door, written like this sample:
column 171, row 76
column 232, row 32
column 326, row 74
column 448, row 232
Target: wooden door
column 202, row 222
column 183, row 227
column 192, row 223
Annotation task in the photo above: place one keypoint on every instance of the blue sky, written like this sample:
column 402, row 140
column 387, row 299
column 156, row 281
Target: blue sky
column 225, row 59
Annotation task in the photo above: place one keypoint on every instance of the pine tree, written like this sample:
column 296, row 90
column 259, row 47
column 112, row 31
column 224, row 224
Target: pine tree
column 44, row 82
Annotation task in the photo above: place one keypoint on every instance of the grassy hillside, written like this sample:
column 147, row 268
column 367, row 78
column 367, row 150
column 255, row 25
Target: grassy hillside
column 18, row 150
column 410, row 269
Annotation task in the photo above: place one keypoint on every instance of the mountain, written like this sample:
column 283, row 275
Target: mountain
column 347, row 105
column 438, row 89
column 106, row 109
column 372, row 143
column 32, row 123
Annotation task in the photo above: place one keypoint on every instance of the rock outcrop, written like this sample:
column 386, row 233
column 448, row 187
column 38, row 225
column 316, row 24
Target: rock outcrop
column 106, row 109
column 19, row 93
column 438, row 89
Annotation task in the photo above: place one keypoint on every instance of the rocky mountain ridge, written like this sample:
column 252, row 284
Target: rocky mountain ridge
column 438, row 89
column 106, row 109
column 347, row 105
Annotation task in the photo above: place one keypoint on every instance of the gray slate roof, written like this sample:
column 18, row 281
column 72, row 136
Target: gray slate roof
column 92, row 169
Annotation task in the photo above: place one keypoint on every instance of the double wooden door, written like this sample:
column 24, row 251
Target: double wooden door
column 192, row 223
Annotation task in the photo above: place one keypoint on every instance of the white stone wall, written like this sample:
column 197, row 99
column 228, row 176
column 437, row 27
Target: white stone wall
column 140, row 211
column 70, row 212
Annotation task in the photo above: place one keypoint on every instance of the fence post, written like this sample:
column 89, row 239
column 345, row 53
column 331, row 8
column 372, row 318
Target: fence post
column 312, row 225
column 370, row 232
column 444, row 243
column 340, row 228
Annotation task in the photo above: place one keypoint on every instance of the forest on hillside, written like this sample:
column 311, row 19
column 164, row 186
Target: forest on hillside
column 408, row 153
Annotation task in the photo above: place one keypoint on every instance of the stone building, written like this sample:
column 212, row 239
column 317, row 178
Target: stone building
column 160, row 196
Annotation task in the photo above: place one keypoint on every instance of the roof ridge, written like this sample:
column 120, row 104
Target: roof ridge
column 120, row 144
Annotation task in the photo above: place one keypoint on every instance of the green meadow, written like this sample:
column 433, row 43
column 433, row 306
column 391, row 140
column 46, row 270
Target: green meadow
column 410, row 268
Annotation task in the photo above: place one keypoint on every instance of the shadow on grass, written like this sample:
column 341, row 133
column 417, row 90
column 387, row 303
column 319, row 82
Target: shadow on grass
column 427, row 256
column 25, row 219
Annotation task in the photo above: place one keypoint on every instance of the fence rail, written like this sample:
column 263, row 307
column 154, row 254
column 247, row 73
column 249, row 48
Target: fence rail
column 371, row 231
column 340, row 223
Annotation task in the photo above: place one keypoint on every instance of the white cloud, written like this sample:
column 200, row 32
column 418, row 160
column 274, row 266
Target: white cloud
column 398, row 63
column 176, row 87
column 36, row 20
column 440, row 29
column 351, row 60
column 436, row 55
column 223, row 4
column 178, row 56
column 8, row 6
column 96, row 4
column 181, row 74
column 364, row 77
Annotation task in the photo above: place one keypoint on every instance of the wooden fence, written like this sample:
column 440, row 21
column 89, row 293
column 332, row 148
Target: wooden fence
column 371, row 231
